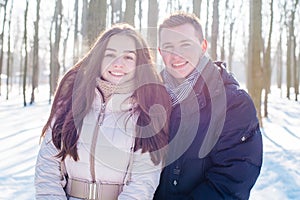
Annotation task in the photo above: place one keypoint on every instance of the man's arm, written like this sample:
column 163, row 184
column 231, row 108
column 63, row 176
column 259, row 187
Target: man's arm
column 237, row 157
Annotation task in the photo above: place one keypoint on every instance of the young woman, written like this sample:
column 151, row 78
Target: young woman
column 108, row 127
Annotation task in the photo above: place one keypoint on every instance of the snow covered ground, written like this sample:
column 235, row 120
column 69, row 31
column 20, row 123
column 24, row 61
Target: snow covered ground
column 20, row 128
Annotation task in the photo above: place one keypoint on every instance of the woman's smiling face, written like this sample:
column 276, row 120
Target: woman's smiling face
column 119, row 61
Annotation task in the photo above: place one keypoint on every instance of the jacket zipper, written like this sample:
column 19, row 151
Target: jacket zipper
column 94, row 141
column 101, row 114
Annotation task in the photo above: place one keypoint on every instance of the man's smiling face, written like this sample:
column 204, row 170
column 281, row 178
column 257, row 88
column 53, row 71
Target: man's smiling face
column 180, row 49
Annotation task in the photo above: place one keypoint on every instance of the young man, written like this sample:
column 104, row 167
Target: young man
column 215, row 147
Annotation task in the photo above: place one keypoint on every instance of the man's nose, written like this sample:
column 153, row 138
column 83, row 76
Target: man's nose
column 177, row 51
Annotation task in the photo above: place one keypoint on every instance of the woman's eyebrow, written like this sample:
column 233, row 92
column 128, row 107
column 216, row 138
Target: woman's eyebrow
column 110, row 49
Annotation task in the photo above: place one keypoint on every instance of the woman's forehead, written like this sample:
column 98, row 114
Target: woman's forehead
column 121, row 43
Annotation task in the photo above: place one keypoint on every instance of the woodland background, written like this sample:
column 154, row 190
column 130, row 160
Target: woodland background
column 258, row 39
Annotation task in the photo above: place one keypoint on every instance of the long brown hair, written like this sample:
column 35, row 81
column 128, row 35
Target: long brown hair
column 76, row 91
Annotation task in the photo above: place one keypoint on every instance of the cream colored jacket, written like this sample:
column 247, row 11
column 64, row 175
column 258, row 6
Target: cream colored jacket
column 113, row 143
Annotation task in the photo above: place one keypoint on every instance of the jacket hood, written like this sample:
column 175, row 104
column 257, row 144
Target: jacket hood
column 228, row 77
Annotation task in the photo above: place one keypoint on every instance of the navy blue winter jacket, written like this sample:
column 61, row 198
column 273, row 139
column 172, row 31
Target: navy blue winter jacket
column 227, row 164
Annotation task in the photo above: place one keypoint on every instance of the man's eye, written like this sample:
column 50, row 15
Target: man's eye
column 186, row 45
column 168, row 47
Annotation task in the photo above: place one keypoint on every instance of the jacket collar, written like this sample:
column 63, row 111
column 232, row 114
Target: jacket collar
column 117, row 102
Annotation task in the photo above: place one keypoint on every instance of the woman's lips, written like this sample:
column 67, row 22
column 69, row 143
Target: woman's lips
column 117, row 73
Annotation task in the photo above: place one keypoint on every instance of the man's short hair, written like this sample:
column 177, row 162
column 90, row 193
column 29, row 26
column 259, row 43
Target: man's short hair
column 180, row 18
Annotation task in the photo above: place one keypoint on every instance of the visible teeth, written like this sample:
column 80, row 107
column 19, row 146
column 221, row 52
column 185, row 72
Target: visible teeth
column 117, row 73
column 178, row 64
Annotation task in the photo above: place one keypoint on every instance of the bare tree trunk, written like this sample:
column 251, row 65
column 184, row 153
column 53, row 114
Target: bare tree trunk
column 279, row 62
column 254, row 65
column 197, row 7
column 293, row 50
column 65, row 41
column 65, row 45
column 26, row 54
column 207, row 17
column 215, row 30
column 231, row 27
column 289, row 60
column 294, row 61
column 231, row 48
column 112, row 12
column 298, row 78
column 8, row 63
column 116, row 11
column 51, row 60
column 76, row 42
column 55, row 67
column 35, row 67
column 152, row 25
column 17, row 48
column 21, row 68
column 224, row 28
column 84, row 26
column 129, row 12
column 141, row 14
column 267, row 64
column 2, row 41
column 119, row 8
column 96, row 19
column 290, row 51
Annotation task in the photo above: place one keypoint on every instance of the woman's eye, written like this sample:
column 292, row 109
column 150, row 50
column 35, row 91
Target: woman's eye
column 128, row 57
column 109, row 55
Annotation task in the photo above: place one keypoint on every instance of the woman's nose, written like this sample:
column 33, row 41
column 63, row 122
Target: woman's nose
column 118, row 62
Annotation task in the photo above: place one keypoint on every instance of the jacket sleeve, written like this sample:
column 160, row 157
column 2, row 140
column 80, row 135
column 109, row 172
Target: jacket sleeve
column 237, row 157
column 144, row 178
column 49, row 181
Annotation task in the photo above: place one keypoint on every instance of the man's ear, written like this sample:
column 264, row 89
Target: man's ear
column 204, row 45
